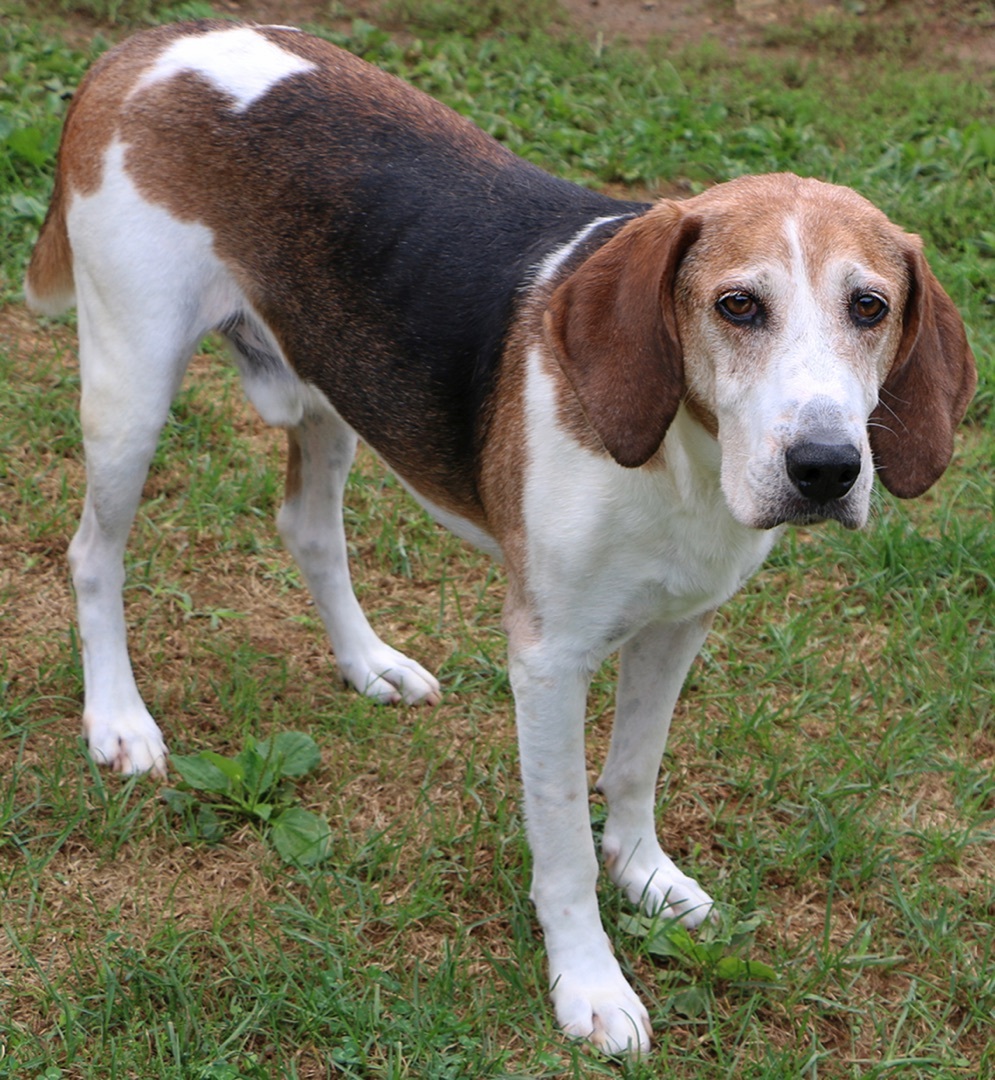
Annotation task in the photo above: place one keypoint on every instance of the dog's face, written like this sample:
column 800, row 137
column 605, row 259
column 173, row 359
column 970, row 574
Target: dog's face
column 790, row 317
column 795, row 321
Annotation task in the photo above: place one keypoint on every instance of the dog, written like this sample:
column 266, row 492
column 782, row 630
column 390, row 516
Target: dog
column 626, row 403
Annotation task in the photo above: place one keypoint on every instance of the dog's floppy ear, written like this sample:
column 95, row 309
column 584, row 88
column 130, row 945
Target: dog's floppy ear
column 613, row 330
column 928, row 389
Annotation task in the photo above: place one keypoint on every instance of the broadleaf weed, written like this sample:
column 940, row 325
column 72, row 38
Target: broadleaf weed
column 253, row 785
column 716, row 954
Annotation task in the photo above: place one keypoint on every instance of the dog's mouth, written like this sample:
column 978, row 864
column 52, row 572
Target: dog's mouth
column 849, row 512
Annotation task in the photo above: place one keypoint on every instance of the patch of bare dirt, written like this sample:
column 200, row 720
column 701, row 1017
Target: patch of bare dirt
column 961, row 26
column 962, row 31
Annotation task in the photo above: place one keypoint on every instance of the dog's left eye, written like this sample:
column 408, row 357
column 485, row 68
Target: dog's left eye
column 740, row 308
column 868, row 309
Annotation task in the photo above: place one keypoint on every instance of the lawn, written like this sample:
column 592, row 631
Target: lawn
column 830, row 773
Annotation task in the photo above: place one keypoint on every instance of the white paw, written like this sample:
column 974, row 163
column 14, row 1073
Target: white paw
column 654, row 884
column 390, row 677
column 130, row 744
column 602, row 1008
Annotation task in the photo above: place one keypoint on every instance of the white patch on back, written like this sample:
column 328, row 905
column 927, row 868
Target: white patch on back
column 545, row 270
column 240, row 62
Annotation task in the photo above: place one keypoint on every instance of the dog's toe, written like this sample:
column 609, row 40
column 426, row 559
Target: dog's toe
column 129, row 747
column 390, row 677
column 677, row 897
column 607, row 1013
column 654, row 884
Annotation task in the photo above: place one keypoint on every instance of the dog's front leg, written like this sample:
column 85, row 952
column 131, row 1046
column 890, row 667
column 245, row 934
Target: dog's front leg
column 652, row 670
column 590, row 994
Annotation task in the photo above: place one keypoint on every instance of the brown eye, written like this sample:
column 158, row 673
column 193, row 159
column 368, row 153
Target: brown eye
column 868, row 309
column 740, row 308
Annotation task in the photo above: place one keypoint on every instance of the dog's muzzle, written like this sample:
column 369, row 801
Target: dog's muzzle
column 820, row 476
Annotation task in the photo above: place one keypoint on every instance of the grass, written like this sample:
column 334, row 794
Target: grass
column 830, row 775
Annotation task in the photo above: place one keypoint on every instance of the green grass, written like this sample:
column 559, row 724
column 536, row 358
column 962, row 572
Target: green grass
column 830, row 775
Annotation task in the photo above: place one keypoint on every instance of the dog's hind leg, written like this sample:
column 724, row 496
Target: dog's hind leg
column 321, row 449
column 130, row 368
column 147, row 288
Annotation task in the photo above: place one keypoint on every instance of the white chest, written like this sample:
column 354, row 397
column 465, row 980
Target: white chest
column 612, row 549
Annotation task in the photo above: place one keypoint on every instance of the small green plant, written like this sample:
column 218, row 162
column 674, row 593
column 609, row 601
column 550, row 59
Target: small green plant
column 255, row 785
column 715, row 955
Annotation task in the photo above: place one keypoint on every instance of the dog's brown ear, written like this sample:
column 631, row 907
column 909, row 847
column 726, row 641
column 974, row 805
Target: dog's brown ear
column 613, row 329
column 927, row 391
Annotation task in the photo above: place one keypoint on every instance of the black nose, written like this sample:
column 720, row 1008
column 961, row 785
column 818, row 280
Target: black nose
column 822, row 472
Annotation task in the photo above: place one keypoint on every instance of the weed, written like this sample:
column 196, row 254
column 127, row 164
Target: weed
column 715, row 955
column 253, row 784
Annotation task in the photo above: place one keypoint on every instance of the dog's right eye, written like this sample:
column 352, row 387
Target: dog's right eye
column 740, row 308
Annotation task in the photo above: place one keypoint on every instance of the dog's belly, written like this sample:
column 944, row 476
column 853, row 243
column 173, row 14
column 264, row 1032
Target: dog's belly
column 281, row 399
column 462, row 527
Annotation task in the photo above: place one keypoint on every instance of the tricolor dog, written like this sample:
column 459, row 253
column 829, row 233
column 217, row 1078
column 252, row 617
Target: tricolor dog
column 626, row 403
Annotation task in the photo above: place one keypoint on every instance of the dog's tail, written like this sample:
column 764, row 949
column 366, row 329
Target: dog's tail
column 48, row 285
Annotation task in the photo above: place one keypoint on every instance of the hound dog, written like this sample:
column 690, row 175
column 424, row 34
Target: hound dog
column 626, row 403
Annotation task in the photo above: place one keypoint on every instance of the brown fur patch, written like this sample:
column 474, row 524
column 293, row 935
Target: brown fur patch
column 91, row 124
column 94, row 117
column 292, row 482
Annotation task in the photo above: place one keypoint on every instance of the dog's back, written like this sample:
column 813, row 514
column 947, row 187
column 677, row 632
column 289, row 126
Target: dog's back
column 358, row 217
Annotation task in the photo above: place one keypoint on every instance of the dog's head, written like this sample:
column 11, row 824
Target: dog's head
column 795, row 321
